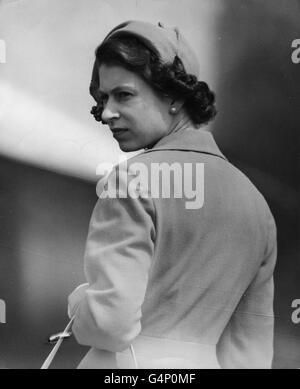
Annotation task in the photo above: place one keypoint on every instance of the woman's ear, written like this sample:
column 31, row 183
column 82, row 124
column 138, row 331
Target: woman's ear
column 176, row 106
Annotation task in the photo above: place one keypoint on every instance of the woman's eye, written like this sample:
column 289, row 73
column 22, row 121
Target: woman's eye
column 123, row 95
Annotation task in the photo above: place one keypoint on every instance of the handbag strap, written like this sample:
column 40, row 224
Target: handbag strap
column 53, row 352
column 55, row 349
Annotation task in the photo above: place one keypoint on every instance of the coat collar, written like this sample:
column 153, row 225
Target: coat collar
column 200, row 141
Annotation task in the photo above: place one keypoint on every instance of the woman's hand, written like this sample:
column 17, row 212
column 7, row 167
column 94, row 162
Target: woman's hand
column 75, row 298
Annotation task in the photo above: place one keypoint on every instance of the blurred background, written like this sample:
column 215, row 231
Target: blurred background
column 50, row 146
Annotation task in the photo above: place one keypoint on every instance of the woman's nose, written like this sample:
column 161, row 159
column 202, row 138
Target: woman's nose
column 109, row 112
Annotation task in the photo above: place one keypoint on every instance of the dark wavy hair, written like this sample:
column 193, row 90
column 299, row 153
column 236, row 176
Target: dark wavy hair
column 169, row 79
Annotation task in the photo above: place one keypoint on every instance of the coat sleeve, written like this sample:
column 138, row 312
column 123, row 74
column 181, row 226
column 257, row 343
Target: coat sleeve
column 247, row 341
column 118, row 257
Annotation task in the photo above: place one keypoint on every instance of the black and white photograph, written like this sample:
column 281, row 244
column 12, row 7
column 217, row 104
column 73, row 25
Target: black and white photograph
column 149, row 187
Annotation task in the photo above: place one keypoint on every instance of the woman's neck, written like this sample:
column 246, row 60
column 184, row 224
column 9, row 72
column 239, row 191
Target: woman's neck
column 182, row 123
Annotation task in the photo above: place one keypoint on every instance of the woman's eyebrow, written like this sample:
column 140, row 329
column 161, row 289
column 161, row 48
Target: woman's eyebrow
column 118, row 89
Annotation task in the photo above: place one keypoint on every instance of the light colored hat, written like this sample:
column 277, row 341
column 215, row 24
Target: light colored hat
column 165, row 42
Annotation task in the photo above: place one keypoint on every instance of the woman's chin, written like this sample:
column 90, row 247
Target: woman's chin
column 127, row 147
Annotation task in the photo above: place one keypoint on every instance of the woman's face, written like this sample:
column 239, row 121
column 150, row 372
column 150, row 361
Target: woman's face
column 136, row 114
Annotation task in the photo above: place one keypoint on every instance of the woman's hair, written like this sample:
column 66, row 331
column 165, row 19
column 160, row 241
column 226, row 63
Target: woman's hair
column 168, row 79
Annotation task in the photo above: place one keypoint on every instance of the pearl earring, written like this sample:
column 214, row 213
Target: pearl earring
column 173, row 110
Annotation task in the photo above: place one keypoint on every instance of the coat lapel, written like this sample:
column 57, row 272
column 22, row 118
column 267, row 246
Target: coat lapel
column 189, row 140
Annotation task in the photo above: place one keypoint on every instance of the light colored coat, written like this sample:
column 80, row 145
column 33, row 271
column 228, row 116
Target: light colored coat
column 188, row 288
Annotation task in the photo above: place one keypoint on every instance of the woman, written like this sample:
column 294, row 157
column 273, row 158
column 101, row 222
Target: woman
column 176, row 278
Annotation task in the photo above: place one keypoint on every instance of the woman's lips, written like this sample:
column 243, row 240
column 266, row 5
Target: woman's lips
column 118, row 131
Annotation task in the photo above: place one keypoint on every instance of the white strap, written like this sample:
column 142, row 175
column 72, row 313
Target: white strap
column 53, row 352
column 134, row 357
